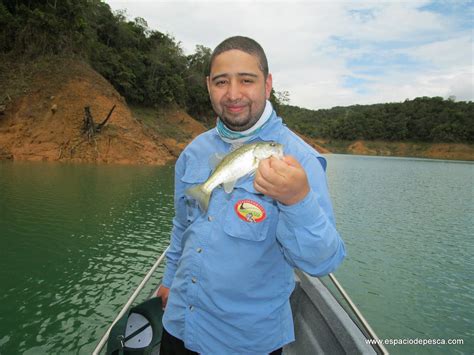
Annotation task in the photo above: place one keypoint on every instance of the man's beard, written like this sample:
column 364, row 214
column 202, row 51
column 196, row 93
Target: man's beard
column 239, row 124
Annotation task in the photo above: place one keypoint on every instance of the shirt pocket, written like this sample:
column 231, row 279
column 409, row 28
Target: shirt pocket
column 251, row 216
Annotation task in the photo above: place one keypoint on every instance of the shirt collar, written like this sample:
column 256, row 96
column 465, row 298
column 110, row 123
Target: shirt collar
column 270, row 131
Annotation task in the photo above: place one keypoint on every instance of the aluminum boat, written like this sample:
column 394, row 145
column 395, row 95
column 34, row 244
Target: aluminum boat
column 322, row 324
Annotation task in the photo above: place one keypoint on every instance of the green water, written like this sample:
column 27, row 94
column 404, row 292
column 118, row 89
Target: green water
column 76, row 239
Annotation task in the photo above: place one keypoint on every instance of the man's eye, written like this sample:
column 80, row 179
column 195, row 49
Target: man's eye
column 248, row 81
column 220, row 82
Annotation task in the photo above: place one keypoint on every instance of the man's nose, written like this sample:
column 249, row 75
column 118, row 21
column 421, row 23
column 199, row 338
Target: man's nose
column 233, row 91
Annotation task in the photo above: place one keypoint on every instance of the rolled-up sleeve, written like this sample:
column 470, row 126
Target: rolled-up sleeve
column 307, row 230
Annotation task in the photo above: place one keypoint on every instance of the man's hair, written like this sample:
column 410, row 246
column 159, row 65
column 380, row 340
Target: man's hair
column 244, row 44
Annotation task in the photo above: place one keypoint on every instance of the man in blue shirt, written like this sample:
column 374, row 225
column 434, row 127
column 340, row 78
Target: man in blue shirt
column 229, row 277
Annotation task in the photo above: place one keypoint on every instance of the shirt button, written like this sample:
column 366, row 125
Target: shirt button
column 199, row 250
column 193, row 280
column 210, row 218
column 191, row 308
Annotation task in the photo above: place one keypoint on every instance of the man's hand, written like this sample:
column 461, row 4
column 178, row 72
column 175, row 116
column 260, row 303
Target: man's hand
column 284, row 180
column 163, row 292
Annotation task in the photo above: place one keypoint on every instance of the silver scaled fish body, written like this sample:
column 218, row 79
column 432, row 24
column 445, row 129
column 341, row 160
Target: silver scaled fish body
column 240, row 162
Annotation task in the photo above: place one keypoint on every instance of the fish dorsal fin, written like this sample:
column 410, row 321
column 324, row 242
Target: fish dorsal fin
column 215, row 159
column 229, row 186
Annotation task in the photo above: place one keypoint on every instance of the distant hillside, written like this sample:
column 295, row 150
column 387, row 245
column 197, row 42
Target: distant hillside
column 423, row 119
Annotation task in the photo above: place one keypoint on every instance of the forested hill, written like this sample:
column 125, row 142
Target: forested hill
column 422, row 119
column 146, row 66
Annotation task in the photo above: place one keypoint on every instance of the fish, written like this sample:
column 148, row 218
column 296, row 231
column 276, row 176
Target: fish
column 238, row 163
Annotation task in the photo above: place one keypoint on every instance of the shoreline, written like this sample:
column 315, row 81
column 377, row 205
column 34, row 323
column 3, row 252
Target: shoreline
column 461, row 159
column 423, row 150
column 402, row 157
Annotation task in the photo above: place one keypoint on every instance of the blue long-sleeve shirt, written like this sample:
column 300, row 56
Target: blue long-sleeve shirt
column 230, row 279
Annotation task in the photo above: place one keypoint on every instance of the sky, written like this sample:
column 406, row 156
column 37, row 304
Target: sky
column 335, row 53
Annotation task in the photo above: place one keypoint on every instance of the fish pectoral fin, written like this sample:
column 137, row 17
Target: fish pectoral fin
column 229, row 186
column 255, row 164
column 215, row 159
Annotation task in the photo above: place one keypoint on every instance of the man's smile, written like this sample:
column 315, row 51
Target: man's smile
column 235, row 108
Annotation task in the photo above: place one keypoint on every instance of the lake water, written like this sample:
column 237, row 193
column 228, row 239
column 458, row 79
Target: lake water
column 76, row 239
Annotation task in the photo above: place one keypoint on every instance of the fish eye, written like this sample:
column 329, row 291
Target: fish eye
column 272, row 144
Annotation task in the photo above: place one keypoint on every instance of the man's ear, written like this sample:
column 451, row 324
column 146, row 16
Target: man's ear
column 268, row 85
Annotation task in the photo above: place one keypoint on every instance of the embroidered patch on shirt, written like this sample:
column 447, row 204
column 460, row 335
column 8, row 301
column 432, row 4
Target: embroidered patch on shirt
column 250, row 211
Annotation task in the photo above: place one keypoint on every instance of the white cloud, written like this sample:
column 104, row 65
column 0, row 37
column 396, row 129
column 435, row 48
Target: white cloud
column 456, row 51
column 311, row 46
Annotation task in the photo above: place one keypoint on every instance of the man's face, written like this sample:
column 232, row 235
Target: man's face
column 238, row 89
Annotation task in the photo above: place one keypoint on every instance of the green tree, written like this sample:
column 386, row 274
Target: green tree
column 197, row 97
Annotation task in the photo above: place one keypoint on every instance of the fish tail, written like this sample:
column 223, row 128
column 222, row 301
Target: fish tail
column 200, row 195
